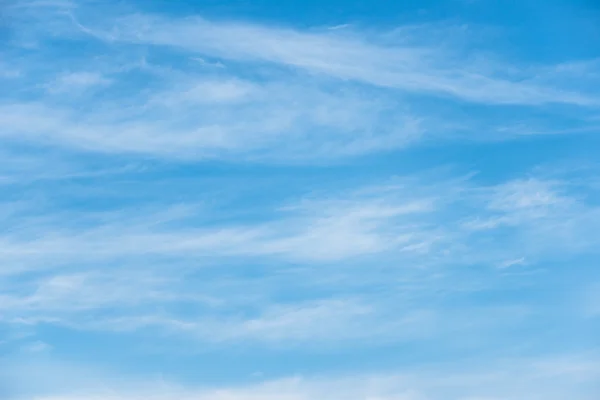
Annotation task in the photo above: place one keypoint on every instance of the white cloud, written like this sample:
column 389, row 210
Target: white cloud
column 404, row 238
column 318, row 232
column 527, row 195
column 314, row 231
column 73, row 82
column 219, row 118
column 412, row 262
column 289, row 95
column 400, row 63
column 513, row 263
column 37, row 347
column 549, row 378
column 210, row 92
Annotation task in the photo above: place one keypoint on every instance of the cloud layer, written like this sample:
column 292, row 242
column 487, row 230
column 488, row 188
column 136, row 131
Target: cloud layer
column 201, row 207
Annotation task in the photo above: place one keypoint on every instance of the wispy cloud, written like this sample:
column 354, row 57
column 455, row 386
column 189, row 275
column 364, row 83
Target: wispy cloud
column 75, row 82
column 220, row 118
column 398, row 62
column 546, row 378
column 415, row 233
column 185, row 184
column 311, row 94
column 317, row 230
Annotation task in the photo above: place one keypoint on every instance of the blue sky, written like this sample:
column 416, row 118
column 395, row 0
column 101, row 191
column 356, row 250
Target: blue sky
column 299, row 200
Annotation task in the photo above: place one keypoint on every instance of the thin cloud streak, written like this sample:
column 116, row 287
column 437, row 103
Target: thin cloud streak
column 306, row 96
column 405, row 66
column 420, row 247
column 542, row 378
